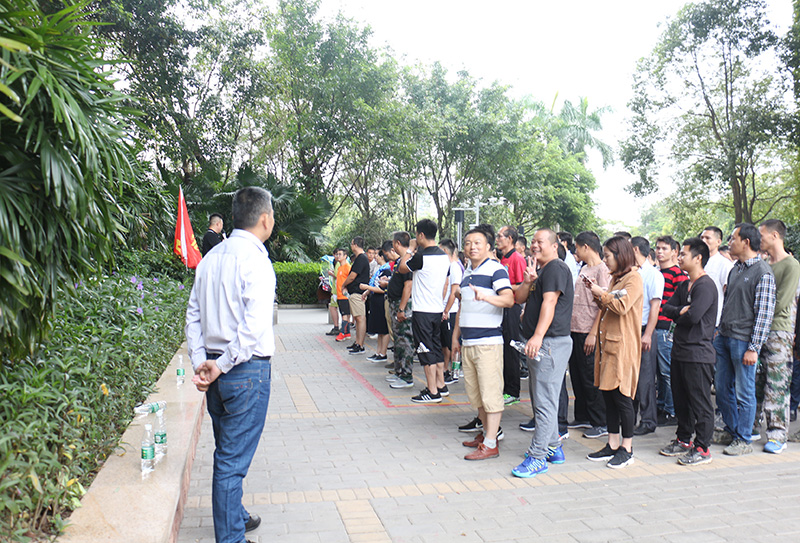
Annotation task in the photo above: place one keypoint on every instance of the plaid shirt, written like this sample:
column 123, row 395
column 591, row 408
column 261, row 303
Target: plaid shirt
column 764, row 306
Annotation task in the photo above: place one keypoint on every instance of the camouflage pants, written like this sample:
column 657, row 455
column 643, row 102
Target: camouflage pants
column 403, row 341
column 773, row 378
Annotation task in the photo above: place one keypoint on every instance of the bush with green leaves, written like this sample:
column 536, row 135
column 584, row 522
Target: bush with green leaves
column 297, row 283
column 65, row 407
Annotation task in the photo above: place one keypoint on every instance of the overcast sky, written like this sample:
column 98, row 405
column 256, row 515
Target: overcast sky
column 544, row 49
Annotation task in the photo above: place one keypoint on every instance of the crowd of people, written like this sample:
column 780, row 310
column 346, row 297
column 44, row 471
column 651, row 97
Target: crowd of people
column 648, row 336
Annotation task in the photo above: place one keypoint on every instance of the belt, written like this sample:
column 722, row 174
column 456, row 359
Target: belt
column 214, row 356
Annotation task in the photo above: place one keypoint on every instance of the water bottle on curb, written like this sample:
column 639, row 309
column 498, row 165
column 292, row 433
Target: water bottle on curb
column 148, row 451
column 151, row 407
column 457, row 365
column 181, row 371
column 520, row 346
column 160, row 435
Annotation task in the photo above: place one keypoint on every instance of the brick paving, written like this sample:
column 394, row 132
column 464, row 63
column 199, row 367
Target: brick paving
column 344, row 458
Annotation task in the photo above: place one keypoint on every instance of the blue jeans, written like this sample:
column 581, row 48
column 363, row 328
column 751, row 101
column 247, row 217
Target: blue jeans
column 664, row 371
column 237, row 402
column 736, row 387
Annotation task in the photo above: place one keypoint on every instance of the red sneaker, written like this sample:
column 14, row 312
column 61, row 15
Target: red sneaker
column 342, row 337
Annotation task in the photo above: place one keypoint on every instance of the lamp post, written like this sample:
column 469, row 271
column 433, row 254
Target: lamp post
column 476, row 208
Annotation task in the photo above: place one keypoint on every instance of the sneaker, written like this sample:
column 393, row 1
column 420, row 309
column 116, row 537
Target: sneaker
column 358, row 349
column 449, row 378
column 342, row 337
column 755, row 435
column 475, row 425
column 579, row 424
column 400, row 382
column 425, row 396
column 621, row 459
column 524, row 375
column 556, row 456
column 643, row 430
column 391, row 377
column 352, row 346
column 665, row 419
column 793, row 415
column 333, row 331
column 500, row 434
column 530, row 467
column 695, row 457
column 676, row 448
column 443, row 391
column 603, row 455
column 562, row 437
column 795, row 437
column 774, row 447
column 529, row 426
column 389, row 366
column 482, row 453
column 377, row 358
column 596, row 432
column 510, row 400
column 737, row 448
column 721, row 437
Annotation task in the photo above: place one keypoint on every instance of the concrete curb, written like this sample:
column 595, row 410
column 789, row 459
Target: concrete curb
column 122, row 507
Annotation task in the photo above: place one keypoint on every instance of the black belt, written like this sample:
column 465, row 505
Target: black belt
column 214, row 356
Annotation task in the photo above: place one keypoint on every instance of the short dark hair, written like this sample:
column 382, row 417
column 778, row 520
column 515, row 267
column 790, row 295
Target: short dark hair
column 697, row 247
column 641, row 244
column 561, row 251
column 249, row 203
column 341, row 250
column 750, row 233
column 589, row 239
column 669, row 240
column 449, row 245
column 511, row 232
column 386, row 246
column 213, row 218
column 427, row 228
column 775, row 225
column 715, row 229
column 371, row 248
column 724, row 248
column 622, row 249
column 566, row 237
column 358, row 241
column 623, row 234
column 523, row 240
column 488, row 232
column 403, row 238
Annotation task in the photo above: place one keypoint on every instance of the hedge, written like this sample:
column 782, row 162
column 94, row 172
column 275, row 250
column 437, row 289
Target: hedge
column 65, row 407
column 297, row 283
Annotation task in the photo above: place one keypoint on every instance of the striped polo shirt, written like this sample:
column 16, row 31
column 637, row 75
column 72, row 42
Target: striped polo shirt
column 482, row 323
column 673, row 276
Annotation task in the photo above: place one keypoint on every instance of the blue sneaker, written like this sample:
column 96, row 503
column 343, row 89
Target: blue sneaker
column 530, row 467
column 774, row 447
column 556, row 456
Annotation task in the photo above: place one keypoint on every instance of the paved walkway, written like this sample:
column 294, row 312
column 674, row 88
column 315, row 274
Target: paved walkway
column 345, row 458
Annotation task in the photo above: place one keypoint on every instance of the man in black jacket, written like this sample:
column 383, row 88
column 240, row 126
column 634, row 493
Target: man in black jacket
column 213, row 236
column 693, row 309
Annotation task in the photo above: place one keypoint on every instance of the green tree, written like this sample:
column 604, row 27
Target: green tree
column 707, row 93
column 64, row 164
column 576, row 127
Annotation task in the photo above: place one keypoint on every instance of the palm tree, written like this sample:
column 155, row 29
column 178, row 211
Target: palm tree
column 575, row 127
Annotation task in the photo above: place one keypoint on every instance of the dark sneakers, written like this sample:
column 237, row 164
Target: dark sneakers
column 529, row 426
column 595, row 432
column 475, row 425
column 579, row 424
column 603, row 455
column 333, row 331
column 676, row 448
column 425, row 396
column 357, row 349
column 449, row 378
column 621, row 459
column 643, row 430
column 695, row 457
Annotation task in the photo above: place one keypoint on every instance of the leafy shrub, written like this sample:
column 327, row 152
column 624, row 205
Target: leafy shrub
column 297, row 283
column 65, row 407
column 153, row 263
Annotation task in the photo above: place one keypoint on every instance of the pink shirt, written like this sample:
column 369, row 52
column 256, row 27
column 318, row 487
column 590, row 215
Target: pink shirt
column 584, row 310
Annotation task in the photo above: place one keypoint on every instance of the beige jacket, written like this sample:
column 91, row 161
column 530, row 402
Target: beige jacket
column 620, row 335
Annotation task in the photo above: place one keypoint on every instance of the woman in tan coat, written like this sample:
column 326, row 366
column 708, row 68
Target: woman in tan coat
column 620, row 344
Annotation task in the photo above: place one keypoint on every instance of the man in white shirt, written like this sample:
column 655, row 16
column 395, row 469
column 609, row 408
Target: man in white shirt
column 231, row 341
column 718, row 267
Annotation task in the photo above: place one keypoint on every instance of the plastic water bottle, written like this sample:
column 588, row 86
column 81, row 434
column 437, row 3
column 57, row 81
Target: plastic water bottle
column 520, row 346
column 181, row 372
column 152, row 407
column 160, row 435
column 457, row 372
column 148, row 450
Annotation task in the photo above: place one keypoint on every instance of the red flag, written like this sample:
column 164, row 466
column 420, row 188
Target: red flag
column 185, row 244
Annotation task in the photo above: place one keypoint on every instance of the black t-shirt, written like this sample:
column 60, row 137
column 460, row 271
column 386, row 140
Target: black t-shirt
column 694, row 330
column 210, row 240
column 394, row 291
column 555, row 276
column 361, row 269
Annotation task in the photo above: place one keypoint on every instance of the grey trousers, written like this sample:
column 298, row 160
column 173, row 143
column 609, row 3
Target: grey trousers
column 546, row 377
